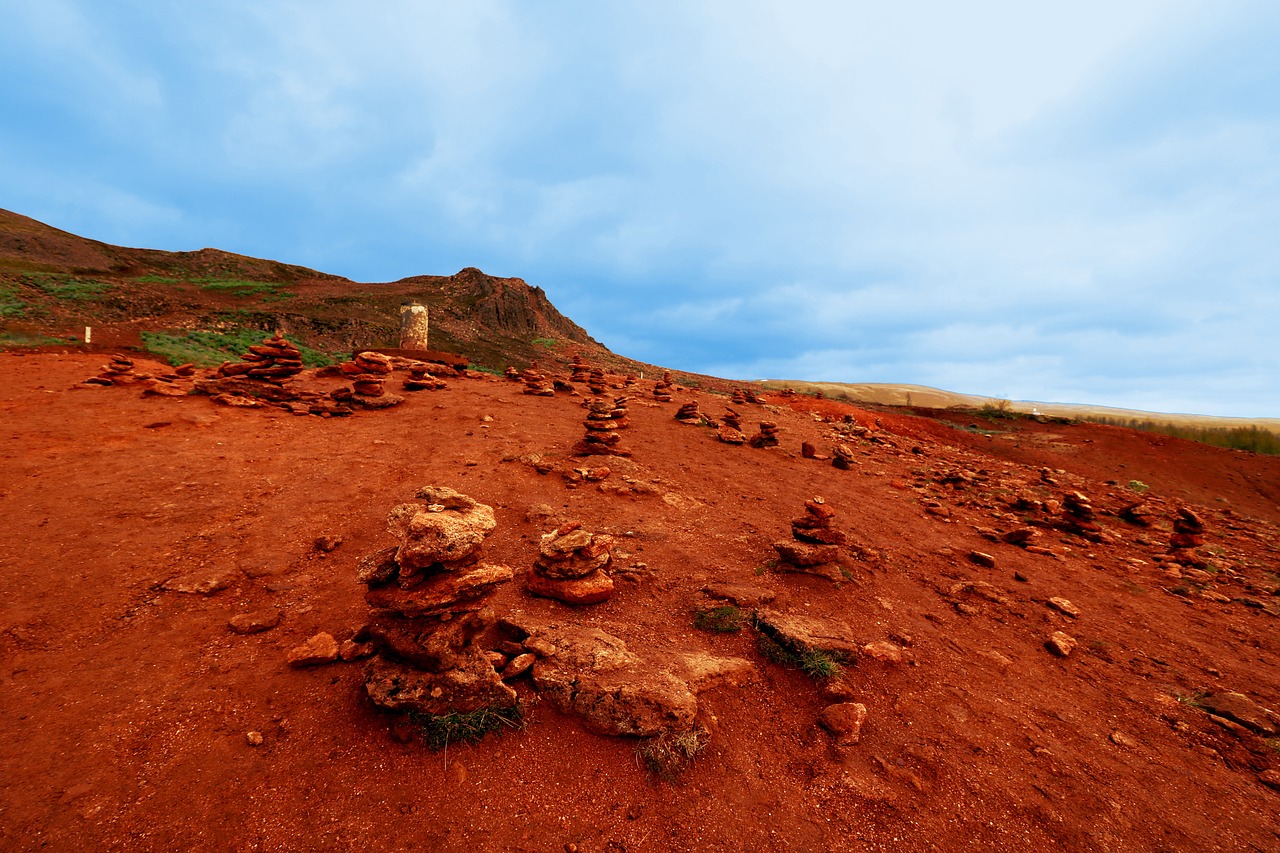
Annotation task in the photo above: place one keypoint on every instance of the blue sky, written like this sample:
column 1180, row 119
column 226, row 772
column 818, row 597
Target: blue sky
column 1067, row 202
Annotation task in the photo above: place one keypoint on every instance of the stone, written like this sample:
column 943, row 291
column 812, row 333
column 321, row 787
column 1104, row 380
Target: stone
column 439, row 592
column 803, row 634
column 1121, row 739
column 806, row 554
column 253, row 738
column 541, row 647
column 1064, row 607
column 1243, row 710
column 431, row 537
column 202, row 582
column 886, row 652
column 743, row 595
column 1061, row 644
column 519, row 665
column 350, row 650
column 320, row 649
column 595, row 676
column 378, row 568
column 327, row 543
column 1270, row 778
column 729, row 435
column 982, row 559
column 593, row 589
column 844, row 721
column 469, row 686
column 255, row 622
column 808, row 451
column 702, row 671
column 1021, row 536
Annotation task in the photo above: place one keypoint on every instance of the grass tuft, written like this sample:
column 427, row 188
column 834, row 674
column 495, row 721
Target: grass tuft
column 671, row 753
column 438, row 731
column 724, row 619
column 815, row 663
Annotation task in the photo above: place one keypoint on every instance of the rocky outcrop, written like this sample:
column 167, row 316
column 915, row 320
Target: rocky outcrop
column 428, row 596
column 592, row 674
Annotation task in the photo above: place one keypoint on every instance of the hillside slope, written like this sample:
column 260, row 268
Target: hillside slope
column 163, row 555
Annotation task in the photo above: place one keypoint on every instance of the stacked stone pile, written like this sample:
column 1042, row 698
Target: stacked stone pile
column 730, row 431
column 119, row 370
column 842, row 457
column 662, row 388
column 768, row 435
column 367, row 373
column 536, row 383
column 815, row 525
column 274, row 360
column 571, row 566
column 428, row 595
column 420, row 379
column 596, row 382
column 511, row 373
column 604, row 420
column 815, row 545
column 579, row 368
column 1188, row 531
column 688, row 413
column 1078, row 515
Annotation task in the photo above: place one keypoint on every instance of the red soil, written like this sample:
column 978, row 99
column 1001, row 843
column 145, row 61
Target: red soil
column 125, row 707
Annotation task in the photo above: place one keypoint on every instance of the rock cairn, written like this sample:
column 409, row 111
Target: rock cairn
column 274, row 360
column 604, row 420
column 1188, row 531
column 117, row 371
column 579, row 367
column 596, row 382
column 571, row 566
column 768, row 435
column 842, row 457
column 730, row 431
column 815, row 525
column 742, row 396
column 367, row 373
column 688, row 413
column 1078, row 515
column 662, row 388
column 511, row 373
column 420, row 379
column 428, row 595
column 814, row 546
column 536, row 382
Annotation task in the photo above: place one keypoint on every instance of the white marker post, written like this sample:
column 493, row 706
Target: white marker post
column 88, row 334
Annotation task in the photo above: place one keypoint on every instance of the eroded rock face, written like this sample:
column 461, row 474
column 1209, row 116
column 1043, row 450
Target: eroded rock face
column 592, row 674
column 808, row 634
column 1243, row 710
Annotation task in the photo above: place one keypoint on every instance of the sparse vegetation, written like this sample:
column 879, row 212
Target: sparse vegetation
column 671, row 753
column 270, row 291
column 10, row 304
column 723, row 619
column 208, row 349
column 998, row 409
column 545, row 343
column 68, row 287
column 815, row 663
column 1138, row 486
column 17, row 339
column 1252, row 438
column 438, row 731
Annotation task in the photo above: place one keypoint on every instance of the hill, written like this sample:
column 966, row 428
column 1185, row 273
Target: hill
column 53, row 284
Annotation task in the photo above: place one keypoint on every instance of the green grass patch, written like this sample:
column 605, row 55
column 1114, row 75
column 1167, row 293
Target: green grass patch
column 482, row 369
column 1138, row 486
column 270, row 291
column 545, row 343
column 10, row 304
column 438, row 731
column 68, row 287
column 671, row 753
column 209, row 349
column 18, row 339
column 815, row 663
column 723, row 619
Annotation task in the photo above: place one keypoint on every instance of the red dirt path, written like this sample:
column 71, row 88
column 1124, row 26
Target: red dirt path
column 124, row 707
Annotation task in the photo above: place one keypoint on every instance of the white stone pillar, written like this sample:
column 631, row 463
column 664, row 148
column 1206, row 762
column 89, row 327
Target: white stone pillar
column 413, row 326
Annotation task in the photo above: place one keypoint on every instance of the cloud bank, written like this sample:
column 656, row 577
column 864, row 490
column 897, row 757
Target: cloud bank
column 1071, row 204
